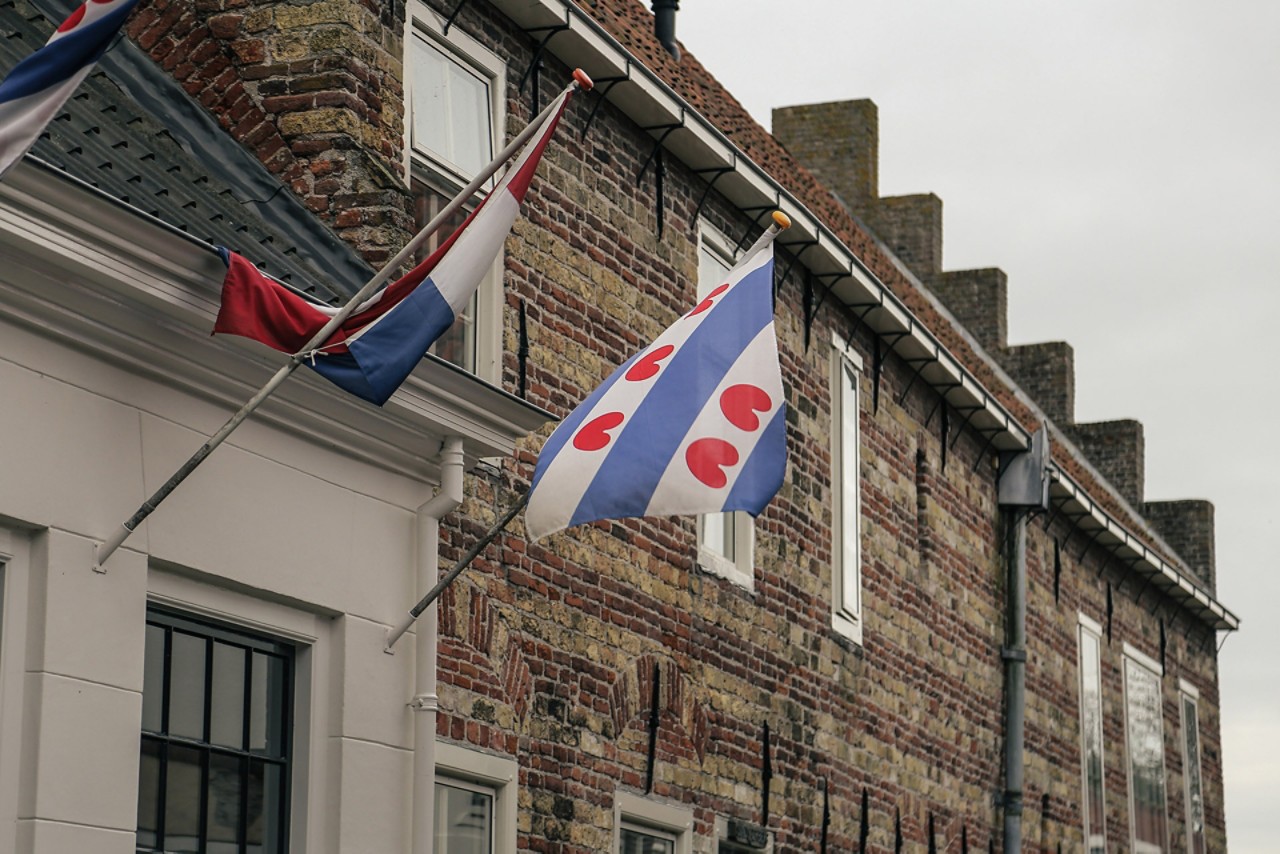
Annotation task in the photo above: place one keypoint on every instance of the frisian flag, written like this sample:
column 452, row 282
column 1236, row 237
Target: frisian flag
column 693, row 423
column 374, row 350
column 37, row 87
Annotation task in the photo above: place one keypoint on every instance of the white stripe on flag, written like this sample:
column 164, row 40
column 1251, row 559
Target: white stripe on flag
column 679, row 491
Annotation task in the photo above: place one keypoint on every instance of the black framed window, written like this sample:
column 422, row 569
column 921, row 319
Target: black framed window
column 216, row 724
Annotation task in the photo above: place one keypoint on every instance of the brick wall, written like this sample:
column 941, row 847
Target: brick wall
column 314, row 89
column 549, row 649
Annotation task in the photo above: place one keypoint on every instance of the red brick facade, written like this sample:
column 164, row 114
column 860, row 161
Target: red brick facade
column 549, row 650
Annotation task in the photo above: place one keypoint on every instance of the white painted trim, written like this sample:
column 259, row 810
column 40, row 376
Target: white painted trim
column 845, row 622
column 1090, row 624
column 845, row 348
column 500, row 774
column 312, row 781
column 143, row 298
column 1187, row 688
column 14, row 564
column 635, row 809
column 1142, row 658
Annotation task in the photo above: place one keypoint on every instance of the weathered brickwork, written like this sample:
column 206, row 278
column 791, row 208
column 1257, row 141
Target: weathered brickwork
column 549, row 650
column 315, row 89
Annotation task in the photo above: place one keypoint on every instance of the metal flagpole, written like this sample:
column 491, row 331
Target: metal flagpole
column 107, row 548
column 445, row 580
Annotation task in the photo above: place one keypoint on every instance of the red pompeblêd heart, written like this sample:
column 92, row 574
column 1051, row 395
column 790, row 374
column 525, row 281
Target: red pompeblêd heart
column 741, row 402
column 709, row 300
column 707, row 458
column 594, row 435
column 648, row 365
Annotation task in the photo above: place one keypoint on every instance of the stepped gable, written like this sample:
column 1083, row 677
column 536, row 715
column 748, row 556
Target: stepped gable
column 632, row 25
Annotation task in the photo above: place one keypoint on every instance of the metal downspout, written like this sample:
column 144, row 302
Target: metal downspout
column 426, row 702
column 1015, row 669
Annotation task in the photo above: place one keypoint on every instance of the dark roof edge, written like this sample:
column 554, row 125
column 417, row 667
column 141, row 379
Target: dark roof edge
column 197, row 131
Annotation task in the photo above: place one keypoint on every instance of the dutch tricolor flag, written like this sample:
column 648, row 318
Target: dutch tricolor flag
column 37, row 87
column 376, row 348
column 694, row 423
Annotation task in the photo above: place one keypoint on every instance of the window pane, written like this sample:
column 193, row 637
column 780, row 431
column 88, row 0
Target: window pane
column 457, row 345
column 153, row 680
column 635, row 842
column 1146, row 758
column 850, row 587
column 711, row 270
column 225, row 781
column 182, row 800
column 469, row 113
column 464, row 821
column 266, row 704
column 186, row 686
column 226, row 724
column 719, row 531
column 430, row 104
column 1195, row 785
column 1091, row 741
column 149, row 794
column 451, row 110
column 265, row 807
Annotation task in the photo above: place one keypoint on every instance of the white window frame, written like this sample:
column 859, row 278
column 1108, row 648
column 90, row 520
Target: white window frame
column 14, row 552
column 648, row 815
column 739, row 569
column 1188, row 693
column 1134, row 657
column 495, row 774
column 309, row 770
column 426, row 23
column 845, row 620
column 1094, row 630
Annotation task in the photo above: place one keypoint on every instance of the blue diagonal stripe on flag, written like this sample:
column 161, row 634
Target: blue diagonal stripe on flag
column 694, row 423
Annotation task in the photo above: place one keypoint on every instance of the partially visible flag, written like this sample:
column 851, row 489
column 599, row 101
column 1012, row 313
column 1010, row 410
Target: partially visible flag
column 37, row 87
column 375, row 348
column 694, row 423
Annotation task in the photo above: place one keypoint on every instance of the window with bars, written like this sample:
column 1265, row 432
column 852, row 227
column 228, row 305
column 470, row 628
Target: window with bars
column 214, row 770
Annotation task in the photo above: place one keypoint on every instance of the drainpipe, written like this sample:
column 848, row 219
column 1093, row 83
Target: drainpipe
column 426, row 702
column 1023, row 487
column 1015, row 675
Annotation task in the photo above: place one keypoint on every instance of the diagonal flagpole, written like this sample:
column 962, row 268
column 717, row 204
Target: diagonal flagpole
column 780, row 222
column 108, row 547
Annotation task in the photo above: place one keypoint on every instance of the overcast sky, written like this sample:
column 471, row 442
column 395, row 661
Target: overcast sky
column 1120, row 161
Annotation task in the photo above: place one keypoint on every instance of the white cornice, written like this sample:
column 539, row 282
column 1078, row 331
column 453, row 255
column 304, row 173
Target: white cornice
column 105, row 279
